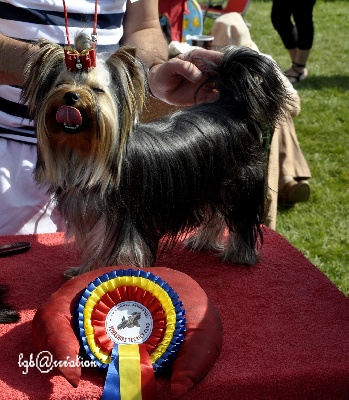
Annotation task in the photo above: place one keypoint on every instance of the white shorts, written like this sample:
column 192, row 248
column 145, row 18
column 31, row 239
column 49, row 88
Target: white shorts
column 24, row 207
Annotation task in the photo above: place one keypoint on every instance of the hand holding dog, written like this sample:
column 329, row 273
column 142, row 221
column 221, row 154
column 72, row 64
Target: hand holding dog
column 179, row 80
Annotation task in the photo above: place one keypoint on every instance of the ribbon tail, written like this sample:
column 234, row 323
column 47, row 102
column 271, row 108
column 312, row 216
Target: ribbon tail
column 147, row 373
column 130, row 372
column 112, row 383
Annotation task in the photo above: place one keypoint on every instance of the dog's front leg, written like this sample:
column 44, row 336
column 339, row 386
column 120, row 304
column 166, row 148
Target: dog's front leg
column 209, row 236
column 95, row 237
column 135, row 248
column 240, row 249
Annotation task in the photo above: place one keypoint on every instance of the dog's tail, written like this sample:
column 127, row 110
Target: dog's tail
column 254, row 97
column 251, row 86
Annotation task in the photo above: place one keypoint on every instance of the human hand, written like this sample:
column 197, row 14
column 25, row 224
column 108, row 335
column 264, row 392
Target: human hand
column 179, row 80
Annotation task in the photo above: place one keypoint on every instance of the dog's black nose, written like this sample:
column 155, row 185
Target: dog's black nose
column 71, row 98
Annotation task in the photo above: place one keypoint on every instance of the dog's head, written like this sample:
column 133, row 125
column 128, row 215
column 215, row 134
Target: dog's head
column 82, row 118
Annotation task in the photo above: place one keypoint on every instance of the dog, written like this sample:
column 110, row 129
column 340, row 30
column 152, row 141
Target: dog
column 126, row 188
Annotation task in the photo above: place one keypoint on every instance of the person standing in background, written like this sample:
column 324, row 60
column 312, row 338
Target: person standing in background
column 297, row 35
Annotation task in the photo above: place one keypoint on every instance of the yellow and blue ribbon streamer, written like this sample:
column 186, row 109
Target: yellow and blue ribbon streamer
column 112, row 382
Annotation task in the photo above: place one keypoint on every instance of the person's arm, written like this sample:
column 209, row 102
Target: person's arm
column 13, row 56
column 177, row 80
column 142, row 30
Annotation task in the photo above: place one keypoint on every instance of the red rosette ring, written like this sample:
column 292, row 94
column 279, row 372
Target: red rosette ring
column 131, row 322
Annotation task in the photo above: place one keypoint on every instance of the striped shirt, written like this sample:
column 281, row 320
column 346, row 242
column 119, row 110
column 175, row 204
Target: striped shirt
column 30, row 20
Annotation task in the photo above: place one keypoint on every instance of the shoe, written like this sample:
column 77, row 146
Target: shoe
column 296, row 73
column 294, row 192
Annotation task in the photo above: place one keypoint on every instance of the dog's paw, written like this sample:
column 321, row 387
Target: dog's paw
column 243, row 257
column 71, row 272
column 194, row 243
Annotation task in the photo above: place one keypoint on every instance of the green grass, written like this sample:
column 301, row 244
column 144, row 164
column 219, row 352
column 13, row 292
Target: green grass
column 319, row 228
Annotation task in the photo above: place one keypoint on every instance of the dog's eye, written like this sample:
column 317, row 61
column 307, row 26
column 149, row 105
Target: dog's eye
column 98, row 90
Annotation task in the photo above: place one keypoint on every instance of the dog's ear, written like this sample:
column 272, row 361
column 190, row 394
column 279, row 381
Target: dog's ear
column 42, row 68
column 128, row 79
column 127, row 54
column 129, row 82
column 124, row 63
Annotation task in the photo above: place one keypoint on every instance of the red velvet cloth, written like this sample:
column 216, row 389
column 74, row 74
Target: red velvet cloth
column 286, row 326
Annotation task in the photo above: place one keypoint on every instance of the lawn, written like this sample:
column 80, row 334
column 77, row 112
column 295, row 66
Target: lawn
column 319, row 228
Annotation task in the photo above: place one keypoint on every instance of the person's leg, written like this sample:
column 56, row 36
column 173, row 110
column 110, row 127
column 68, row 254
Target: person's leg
column 281, row 12
column 272, row 182
column 292, row 53
column 293, row 168
column 24, row 208
column 303, row 18
column 281, row 18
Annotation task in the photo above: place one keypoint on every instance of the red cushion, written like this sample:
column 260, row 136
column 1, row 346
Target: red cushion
column 53, row 331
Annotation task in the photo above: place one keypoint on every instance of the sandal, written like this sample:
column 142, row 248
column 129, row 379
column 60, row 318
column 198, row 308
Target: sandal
column 296, row 73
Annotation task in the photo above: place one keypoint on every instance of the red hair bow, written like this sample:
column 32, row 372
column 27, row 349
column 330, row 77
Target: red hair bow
column 75, row 61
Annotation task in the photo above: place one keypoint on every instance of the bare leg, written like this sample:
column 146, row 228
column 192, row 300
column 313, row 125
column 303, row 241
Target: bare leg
column 298, row 72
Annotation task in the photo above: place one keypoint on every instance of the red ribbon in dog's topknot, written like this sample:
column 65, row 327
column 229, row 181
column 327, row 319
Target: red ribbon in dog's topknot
column 75, row 61
column 80, row 60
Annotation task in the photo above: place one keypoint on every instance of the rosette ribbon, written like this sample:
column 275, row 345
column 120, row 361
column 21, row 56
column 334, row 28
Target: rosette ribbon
column 132, row 323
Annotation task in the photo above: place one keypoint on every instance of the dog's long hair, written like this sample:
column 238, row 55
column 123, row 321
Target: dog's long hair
column 122, row 185
column 7, row 314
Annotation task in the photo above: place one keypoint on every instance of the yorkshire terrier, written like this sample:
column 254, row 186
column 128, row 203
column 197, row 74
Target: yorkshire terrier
column 126, row 188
